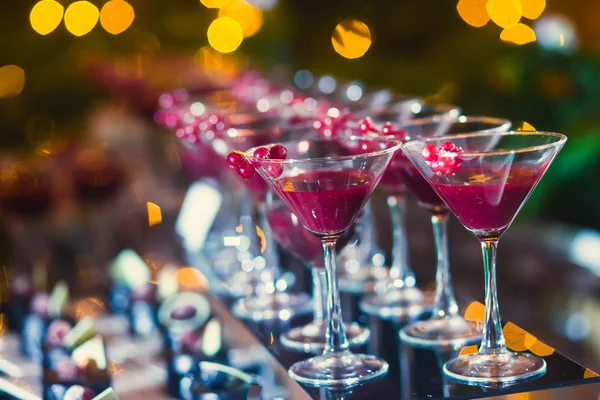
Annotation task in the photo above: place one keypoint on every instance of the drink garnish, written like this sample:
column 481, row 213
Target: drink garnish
column 239, row 161
column 445, row 159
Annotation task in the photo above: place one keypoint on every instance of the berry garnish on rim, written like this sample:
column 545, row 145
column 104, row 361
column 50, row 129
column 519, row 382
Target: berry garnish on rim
column 244, row 168
column 445, row 159
column 367, row 126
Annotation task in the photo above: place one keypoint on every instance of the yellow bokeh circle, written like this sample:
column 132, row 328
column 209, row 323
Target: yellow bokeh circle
column 215, row 3
column 519, row 34
column 12, row 81
column 532, row 9
column 81, row 17
column 351, row 38
column 116, row 16
column 249, row 17
column 505, row 13
column 473, row 12
column 45, row 16
column 225, row 34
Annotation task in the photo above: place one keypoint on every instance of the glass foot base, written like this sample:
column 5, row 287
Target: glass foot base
column 495, row 369
column 338, row 369
column 277, row 306
column 311, row 338
column 396, row 303
column 441, row 332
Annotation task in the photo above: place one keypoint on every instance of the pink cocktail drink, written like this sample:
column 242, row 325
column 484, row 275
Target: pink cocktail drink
column 326, row 201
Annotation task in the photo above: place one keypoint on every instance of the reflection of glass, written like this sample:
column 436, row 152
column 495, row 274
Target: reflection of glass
column 495, row 174
column 401, row 299
column 326, row 183
column 446, row 327
column 292, row 236
column 262, row 268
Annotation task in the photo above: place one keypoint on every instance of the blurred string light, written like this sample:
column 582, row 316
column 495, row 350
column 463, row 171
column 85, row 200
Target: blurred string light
column 264, row 5
column 12, row 81
column 81, row 17
column 225, row 34
column 354, row 92
column 249, row 17
column 303, row 79
column 214, row 3
column 327, row 84
column 351, row 38
column 507, row 14
column 116, row 16
column 45, row 16
column 556, row 33
column 518, row 34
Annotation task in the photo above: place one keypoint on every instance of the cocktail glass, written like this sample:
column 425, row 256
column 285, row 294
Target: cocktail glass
column 269, row 302
column 446, row 327
column 492, row 176
column 401, row 299
column 326, row 183
column 292, row 236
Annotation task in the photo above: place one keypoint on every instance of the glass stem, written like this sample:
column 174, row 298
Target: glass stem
column 336, row 337
column 445, row 303
column 319, row 293
column 493, row 339
column 270, row 249
column 400, row 270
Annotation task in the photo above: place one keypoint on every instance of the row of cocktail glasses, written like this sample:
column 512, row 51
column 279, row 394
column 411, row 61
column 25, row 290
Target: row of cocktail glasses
column 470, row 166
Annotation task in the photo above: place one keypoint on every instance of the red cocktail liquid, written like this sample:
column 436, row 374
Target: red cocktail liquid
column 485, row 200
column 422, row 190
column 326, row 201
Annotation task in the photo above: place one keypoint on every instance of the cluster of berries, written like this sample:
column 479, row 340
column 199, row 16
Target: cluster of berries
column 445, row 159
column 238, row 161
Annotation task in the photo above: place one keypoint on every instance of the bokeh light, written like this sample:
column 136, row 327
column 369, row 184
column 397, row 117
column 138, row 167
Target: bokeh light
column 45, row 16
column 505, row 13
column 532, row 9
column 81, row 17
column 264, row 5
column 327, row 84
column 249, row 17
column 12, row 81
column 556, row 33
column 116, row 16
column 519, row 34
column 190, row 278
column 215, row 3
column 303, row 79
column 154, row 214
column 225, row 34
column 473, row 12
column 351, row 38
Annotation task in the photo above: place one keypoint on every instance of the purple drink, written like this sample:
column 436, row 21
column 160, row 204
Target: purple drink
column 326, row 201
column 490, row 201
column 422, row 190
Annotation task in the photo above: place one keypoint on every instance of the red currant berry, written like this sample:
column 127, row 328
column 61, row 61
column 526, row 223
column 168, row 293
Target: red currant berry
column 262, row 153
column 448, row 146
column 274, row 170
column 67, row 370
column 234, row 159
column 436, row 167
column 57, row 331
column 245, row 169
column 366, row 126
column 387, row 129
column 278, row 152
column 77, row 392
column 446, row 164
column 430, row 152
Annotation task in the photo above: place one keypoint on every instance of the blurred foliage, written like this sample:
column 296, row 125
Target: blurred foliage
column 419, row 47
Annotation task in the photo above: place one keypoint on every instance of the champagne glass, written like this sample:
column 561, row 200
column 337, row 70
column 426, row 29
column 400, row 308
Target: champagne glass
column 485, row 179
column 326, row 183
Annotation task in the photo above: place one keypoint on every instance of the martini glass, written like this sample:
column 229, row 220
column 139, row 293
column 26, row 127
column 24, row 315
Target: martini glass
column 326, row 183
column 401, row 299
column 446, row 327
column 492, row 177
column 292, row 236
column 268, row 302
